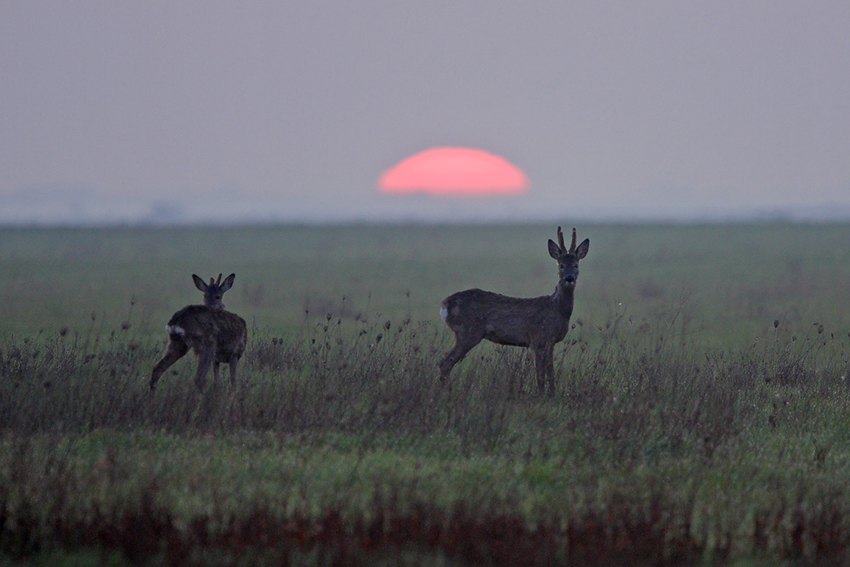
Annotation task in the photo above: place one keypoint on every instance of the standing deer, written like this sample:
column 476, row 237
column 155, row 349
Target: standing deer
column 536, row 323
column 214, row 334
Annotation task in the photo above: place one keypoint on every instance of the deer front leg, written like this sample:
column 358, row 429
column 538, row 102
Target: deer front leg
column 463, row 344
column 177, row 348
column 544, row 364
column 233, row 362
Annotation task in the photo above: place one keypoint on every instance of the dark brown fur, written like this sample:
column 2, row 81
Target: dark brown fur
column 537, row 323
column 216, row 335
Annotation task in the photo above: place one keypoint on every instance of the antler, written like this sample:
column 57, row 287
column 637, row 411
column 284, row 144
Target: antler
column 561, row 240
column 573, row 243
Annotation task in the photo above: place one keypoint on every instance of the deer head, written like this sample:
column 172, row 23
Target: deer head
column 214, row 291
column 568, row 258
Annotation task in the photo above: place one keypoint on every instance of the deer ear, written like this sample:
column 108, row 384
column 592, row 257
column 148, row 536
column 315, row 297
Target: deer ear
column 581, row 250
column 554, row 250
column 199, row 283
column 228, row 283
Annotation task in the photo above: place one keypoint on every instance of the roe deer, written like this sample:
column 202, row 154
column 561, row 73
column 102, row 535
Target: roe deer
column 214, row 334
column 536, row 323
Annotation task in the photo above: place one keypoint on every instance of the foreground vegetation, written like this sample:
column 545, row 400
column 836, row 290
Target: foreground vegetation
column 701, row 412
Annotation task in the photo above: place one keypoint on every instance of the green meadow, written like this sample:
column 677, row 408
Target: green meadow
column 701, row 412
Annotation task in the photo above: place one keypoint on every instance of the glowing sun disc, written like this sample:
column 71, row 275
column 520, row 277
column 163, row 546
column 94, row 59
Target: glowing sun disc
column 454, row 171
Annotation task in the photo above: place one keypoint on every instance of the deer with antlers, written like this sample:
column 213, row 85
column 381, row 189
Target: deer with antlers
column 537, row 323
column 216, row 335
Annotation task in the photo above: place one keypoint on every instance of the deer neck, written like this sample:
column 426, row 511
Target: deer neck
column 563, row 299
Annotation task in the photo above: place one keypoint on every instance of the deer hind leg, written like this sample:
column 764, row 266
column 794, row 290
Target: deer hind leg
column 463, row 344
column 206, row 358
column 544, row 364
column 177, row 348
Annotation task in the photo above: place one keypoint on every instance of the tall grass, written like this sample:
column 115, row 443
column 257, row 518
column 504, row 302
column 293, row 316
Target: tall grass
column 702, row 452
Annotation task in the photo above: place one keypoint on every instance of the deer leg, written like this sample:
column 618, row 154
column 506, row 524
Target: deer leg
column 233, row 362
column 206, row 358
column 544, row 364
column 463, row 344
column 177, row 348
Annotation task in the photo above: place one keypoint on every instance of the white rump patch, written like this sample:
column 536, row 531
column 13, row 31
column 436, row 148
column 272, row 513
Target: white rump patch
column 444, row 312
column 175, row 330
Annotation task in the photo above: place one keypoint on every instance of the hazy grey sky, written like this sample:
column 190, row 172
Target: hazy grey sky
column 293, row 109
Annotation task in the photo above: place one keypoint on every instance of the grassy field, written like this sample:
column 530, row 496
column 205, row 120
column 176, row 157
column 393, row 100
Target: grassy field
column 701, row 415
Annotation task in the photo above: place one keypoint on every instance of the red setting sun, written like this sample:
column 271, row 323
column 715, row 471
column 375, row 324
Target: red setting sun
column 454, row 171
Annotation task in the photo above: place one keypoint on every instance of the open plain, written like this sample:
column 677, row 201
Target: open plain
column 701, row 412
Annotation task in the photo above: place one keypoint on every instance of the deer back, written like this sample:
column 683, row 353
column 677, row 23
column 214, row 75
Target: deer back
column 200, row 323
column 506, row 320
